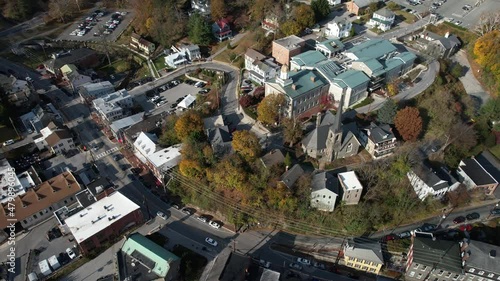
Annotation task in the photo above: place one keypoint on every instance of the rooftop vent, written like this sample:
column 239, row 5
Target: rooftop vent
column 493, row 254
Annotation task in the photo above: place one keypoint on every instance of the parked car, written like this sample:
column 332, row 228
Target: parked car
column 405, row 234
column 459, row 219
column 70, row 253
column 472, row 216
column 187, row 211
column 428, row 227
column 202, row 219
column 495, row 212
column 161, row 215
column 214, row 224
column 304, row 261
column 389, row 237
column 265, row 264
column 319, row 265
column 211, row 241
column 295, row 266
column 465, row 227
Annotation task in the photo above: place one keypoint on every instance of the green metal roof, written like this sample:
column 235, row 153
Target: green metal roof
column 406, row 56
column 332, row 45
column 385, row 22
column 390, row 64
column 303, row 82
column 309, row 58
column 328, row 68
column 374, row 48
column 372, row 64
column 160, row 256
column 351, row 78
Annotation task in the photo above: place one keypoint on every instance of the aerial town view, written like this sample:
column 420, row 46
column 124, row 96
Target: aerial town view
column 250, row 140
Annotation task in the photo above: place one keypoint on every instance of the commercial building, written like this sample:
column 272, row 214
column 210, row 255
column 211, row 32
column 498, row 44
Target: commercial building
column 363, row 255
column 118, row 127
column 91, row 91
column 329, row 47
column 103, row 221
column 114, row 106
column 287, row 47
column 10, row 186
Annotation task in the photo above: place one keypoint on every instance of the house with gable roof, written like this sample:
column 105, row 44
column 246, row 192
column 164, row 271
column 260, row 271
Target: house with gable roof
column 364, row 255
column 329, row 47
column 221, row 29
column 260, row 68
column 378, row 140
column 270, row 22
column 218, row 135
column 427, row 180
column 437, row 45
column 291, row 175
column 358, row 7
column 324, row 191
column 383, row 19
column 339, row 28
column 473, row 174
column 141, row 44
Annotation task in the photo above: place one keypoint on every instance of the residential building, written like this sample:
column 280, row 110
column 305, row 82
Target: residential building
column 363, row 255
column 40, row 117
column 491, row 164
column 350, row 86
column 114, row 106
column 273, row 157
column 220, row 140
column 292, row 175
column 378, row 140
column 145, row 144
column 192, row 52
column 37, row 204
column 339, row 28
column 351, row 187
column 60, row 141
column 358, row 7
column 473, row 175
column 10, row 185
column 154, row 261
column 437, row 45
column 287, row 47
column 324, row 191
column 73, row 77
column 213, row 122
column 431, row 181
column 176, row 59
column 141, row 44
column 481, row 261
column 329, row 47
column 270, row 23
column 150, row 124
column 431, row 259
column 331, row 139
column 103, row 221
column 91, row 91
column 236, row 268
column 260, row 68
column 118, row 127
column 40, row 139
column 306, row 60
column 334, row 2
column 383, row 19
column 221, row 29
column 19, row 92
column 304, row 91
column 201, row 6
column 82, row 57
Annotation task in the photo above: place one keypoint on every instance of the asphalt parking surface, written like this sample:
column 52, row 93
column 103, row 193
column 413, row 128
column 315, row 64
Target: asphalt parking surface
column 89, row 36
column 170, row 96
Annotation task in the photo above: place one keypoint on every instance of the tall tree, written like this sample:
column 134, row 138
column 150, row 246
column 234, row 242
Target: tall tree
column 188, row 124
column 269, row 108
column 441, row 111
column 290, row 27
column 169, row 136
column 246, row 144
column 491, row 110
column 304, row 16
column 198, row 30
column 218, row 9
column 321, row 9
column 61, row 9
column 387, row 112
column 409, row 123
column 292, row 130
column 488, row 22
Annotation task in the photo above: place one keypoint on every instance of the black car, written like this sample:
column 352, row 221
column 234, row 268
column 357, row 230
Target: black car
column 351, row 15
column 495, row 212
column 187, row 211
column 459, row 219
column 472, row 216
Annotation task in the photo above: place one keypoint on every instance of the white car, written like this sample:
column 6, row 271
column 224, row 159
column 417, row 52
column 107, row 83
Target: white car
column 70, row 253
column 214, row 225
column 304, row 261
column 211, row 241
column 161, row 215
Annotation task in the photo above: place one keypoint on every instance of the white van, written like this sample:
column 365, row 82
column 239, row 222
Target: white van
column 32, row 277
column 9, row 142
column 44, row 268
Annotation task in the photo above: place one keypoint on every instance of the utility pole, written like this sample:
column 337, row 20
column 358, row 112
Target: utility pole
column 13, row 126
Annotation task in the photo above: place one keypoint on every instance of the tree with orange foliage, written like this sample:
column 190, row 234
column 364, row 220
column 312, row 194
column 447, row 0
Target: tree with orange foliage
column 189, row 124
column 408, row 123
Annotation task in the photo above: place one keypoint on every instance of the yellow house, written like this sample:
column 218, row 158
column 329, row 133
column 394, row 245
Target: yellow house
column 363, row 255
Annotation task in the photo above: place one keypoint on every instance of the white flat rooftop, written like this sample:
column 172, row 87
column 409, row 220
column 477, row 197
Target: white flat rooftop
column 171, row 156
column 350, row 180
column 99, row 216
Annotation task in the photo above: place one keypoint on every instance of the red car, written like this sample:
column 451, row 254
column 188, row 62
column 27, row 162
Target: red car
column 389, row 237
column 465, row 227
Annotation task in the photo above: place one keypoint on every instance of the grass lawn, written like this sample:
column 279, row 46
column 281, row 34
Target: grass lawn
column 160, row 63
column 7, row 133
column 251, row 111
column 192, row 264
column 405, row 16
column 239, row 50
column 117, row 66
column 366, row 101
column 496, row 150
column 143, row 71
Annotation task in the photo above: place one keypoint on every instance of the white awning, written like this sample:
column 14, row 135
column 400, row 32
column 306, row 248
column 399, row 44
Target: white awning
column 187, row 101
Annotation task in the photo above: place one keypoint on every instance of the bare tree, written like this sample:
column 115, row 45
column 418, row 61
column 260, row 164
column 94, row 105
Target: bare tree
column 488, row 22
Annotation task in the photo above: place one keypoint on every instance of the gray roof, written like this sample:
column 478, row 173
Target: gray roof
column 364, row 249
column 254, row 54
column 440, row 253
column 329, row 69
column 316, row 139
column 292, row 175
column 374, row 48
column 385, row 13
column 379, row 133
column 71, row 57
column 219, row 135
column 479, row 257
column 436, row 178
column 476, row 172
column 272, row 158
column 290, row 42
column 325, row 180
column 362, row 3
column 126, row 122
column 490, row 163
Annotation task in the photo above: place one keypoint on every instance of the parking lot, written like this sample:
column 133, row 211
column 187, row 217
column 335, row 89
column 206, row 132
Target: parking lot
column 94, row 26
column 170, row 97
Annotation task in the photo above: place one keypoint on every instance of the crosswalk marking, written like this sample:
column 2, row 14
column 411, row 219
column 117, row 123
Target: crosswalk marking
column 107, row 152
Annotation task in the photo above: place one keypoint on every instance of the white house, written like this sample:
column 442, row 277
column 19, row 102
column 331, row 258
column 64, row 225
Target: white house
column 260, row 68
column 60, row 141
column 111, row 107
column 351, row 187
column 383, row 19
column 324, row 192
column 192, row 52
column 429, row 181
column 175, row 59
column 145, row 145
column 338, row 28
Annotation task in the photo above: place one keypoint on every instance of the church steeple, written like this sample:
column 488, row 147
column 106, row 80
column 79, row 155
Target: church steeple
column 284, row 79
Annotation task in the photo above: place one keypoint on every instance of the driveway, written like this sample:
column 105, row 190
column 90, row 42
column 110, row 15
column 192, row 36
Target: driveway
column 471, row 85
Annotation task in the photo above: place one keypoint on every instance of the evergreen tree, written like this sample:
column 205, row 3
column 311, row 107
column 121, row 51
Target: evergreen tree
column 199, row 30
column 387, row 112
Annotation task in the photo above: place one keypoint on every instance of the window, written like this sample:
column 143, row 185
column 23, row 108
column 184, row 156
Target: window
column 65, row 201
column 424, row 268
column 419, row 276
column 41, row 213
column 71, row 198
column 35, row 217
column 364, row 268
column 25, row 222
column 50, row 208
column 329, row 197
column 349, row 147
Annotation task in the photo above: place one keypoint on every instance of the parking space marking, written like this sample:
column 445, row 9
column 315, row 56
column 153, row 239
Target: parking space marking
column 107, row 152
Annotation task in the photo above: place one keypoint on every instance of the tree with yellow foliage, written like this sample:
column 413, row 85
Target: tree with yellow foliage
column 487, row 55
column 246, row 144
column 189, row 124
column 269, row 108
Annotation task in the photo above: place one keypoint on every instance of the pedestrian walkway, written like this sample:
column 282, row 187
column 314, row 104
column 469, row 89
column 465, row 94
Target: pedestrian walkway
column 107, row 152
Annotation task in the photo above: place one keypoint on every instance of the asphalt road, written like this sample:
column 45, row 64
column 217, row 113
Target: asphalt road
column 34, row 22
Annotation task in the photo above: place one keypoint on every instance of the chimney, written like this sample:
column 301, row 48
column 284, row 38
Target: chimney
column 493, row 254
column 294, row 86
column 447, row 34
column 313, row 79
column 318, row 119
column 286, row 169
